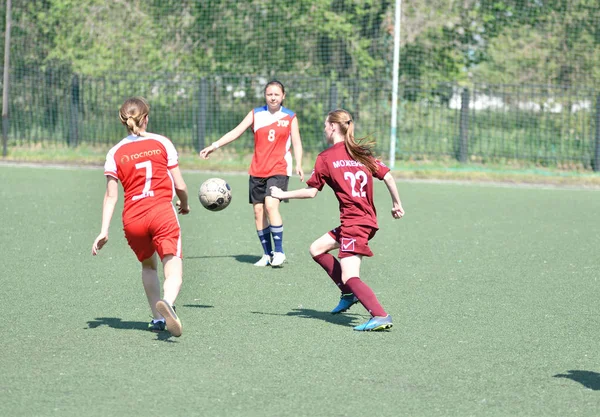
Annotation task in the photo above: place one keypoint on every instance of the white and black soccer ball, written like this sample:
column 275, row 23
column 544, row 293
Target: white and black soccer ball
column 215, row 194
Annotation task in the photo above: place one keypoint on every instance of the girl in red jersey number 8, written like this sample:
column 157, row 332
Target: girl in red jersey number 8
column 275, row 129
column 349, row 167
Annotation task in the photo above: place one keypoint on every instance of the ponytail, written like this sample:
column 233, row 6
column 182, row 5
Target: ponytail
column 132, row 114
column 361, row 150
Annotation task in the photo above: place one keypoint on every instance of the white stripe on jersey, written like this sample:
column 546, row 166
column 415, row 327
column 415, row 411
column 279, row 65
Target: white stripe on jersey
column 265, row 118
column 178, row 254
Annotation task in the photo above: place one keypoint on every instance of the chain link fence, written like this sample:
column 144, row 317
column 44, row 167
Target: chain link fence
column 482, row 81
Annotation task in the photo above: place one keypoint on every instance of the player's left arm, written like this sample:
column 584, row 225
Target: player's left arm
column 108, row 208
column 308, row 192
column 181, row 191
column 297, row 145
column 397, row 209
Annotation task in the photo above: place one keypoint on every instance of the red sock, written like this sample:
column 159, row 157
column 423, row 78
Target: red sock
column 333, row 269
column 366, row 296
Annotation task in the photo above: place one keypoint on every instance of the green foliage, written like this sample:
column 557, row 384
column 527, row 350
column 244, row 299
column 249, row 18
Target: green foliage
column 493, row 40
column 74, row 61
column 558, row 44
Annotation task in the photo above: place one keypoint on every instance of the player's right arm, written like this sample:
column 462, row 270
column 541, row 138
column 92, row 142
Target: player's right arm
column 308, row 192
column 229, row 136
column 314, row 184
column 180, row 190
column 108, row 208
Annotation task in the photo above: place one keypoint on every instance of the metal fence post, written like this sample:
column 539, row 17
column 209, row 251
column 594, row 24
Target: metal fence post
column 202, row 100
column 596, row 164
column 73, row 139
column 463, row 144
column 5, row 83
column 333, row 96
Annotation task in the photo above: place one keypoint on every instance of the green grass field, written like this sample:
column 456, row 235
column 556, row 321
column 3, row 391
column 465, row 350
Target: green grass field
column 494, row 293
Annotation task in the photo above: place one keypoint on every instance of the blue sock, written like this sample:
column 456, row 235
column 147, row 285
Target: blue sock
column 265, row 240
column 277, row 232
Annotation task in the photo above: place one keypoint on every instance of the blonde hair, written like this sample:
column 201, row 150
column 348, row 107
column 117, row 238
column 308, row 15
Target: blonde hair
column 132, row 114
column 361, row 150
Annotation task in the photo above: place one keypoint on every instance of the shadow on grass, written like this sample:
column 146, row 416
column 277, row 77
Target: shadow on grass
column 117, row 323
column 307, row 313
column 164, row 337
column 198, row 306
column 588, row 379
column 245, row 259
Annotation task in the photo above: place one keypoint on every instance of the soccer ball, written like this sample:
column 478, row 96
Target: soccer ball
column 215, row 194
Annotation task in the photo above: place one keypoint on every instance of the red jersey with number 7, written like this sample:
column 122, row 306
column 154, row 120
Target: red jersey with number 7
column 142, row 165
column 351, row 182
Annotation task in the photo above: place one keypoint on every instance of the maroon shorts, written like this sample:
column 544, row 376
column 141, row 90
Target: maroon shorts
column 353, row 240
column 157, row 231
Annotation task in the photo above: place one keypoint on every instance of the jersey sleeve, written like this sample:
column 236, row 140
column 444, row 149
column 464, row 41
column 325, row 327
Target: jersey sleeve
column 110, row 166
column 382, row 169
column 317, row 178
column 172, row 156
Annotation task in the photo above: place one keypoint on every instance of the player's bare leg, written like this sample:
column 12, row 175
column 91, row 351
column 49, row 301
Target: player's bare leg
column 350, row 267
column 151, row 283
column 271, row 207
column 260, row 216
column 322, row 245
column 173, row 270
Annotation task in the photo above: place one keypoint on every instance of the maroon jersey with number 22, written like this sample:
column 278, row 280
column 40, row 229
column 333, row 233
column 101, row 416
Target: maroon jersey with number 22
column 351, row 182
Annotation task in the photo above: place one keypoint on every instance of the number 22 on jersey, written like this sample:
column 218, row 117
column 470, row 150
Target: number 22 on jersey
column 358, row 181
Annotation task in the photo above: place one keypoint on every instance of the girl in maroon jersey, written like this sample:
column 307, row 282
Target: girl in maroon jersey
column 349, row 167
column 275, row 130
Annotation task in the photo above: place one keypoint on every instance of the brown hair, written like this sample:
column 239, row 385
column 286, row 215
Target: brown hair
column 133, row 112
column 360, row 150
column 274, row 82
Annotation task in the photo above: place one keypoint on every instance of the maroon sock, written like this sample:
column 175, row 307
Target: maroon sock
column 333, row 269
column 366, row 296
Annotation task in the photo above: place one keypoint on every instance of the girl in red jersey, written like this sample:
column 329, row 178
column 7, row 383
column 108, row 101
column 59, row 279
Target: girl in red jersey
column 349, row 167
column 275, row 129
column 147, row 166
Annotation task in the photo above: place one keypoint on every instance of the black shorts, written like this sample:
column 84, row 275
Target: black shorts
column 259, row 188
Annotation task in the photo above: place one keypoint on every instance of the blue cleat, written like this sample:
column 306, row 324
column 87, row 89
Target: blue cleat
column 346, row 301
column 376, row 323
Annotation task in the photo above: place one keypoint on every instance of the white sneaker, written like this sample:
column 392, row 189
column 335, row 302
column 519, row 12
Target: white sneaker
column 278, row 259
column 168, row 312
column 264, row 261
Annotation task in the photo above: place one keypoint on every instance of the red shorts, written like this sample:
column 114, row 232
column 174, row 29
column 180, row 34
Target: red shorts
column 157, row 231
column 353, row 240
